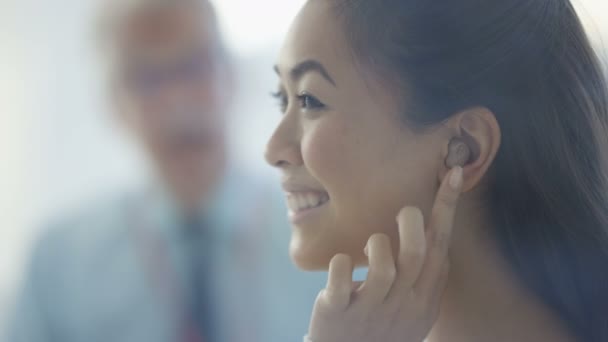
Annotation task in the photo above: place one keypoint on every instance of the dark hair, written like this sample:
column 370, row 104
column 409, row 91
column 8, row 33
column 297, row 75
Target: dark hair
column 531, row 64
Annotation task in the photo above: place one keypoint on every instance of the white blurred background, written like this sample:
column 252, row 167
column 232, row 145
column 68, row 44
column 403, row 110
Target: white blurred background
column 59, row 145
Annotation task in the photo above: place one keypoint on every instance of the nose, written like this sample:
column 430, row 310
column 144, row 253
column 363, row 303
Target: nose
column 283, row 148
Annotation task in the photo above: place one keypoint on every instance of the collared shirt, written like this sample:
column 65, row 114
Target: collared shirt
column 92, row 278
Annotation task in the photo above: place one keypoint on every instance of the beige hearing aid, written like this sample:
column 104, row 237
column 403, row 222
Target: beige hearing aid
column 459, row 153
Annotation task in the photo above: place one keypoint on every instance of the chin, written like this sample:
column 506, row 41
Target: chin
column 306, row 257
column 307, row 263
column 310, row 254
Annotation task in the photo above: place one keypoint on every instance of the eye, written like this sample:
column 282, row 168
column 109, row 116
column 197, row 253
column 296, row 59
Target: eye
column 310, row 102
column 281, row 99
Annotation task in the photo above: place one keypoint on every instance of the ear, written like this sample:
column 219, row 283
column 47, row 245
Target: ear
column 479, row 130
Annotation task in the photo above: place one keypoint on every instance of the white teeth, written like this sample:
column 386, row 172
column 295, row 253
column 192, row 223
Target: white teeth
column 312, row 200
column 302, row 201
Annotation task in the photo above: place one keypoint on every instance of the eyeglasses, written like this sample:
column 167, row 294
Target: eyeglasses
column 149, row 80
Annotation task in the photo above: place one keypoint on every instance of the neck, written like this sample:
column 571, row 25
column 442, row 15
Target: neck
column 484, row 299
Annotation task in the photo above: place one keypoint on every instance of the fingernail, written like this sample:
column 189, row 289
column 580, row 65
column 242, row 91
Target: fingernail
column 365, row 251
column 456, row 178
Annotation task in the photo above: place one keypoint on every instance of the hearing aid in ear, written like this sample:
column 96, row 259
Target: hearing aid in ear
column 459, row 153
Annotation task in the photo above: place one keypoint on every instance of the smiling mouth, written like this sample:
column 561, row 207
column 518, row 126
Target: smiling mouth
column 299, row 202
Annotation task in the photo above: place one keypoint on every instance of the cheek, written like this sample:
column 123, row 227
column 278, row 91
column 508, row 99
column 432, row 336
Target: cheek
column 371, row 170
column 339, row 156
column 325, row 145
column 335, row 153
column 207, row 95
column 355, row 159
column 329, row 148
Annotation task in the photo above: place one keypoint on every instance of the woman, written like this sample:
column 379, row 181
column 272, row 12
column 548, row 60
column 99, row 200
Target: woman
column 381, row 101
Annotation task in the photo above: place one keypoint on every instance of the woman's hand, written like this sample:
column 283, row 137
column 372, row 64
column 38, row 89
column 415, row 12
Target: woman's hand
column 399, row 300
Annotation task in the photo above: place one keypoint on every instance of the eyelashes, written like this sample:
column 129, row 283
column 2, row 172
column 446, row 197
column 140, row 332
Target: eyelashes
column 281, row 99
column 306, row 101
column 310, row 102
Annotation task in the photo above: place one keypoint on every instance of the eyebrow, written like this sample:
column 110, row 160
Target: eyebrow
column 309, row 65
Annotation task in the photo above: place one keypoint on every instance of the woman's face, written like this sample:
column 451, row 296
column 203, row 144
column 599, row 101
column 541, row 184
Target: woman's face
column 348, row 161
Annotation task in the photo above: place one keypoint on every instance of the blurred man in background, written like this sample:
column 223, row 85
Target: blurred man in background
column 189, row 259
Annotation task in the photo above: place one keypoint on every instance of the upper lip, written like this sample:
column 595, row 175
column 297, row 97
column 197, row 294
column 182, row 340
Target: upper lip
column 290, row 186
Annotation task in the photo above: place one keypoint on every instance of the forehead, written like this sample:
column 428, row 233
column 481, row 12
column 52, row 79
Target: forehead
column 315, row 34
column 162, row 31
column 318, row 34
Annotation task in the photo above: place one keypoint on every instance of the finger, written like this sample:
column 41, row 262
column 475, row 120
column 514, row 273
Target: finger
column 381, row 272
column 412, row 246
column 357, row 286
column 440, row 229
column 433, row 292
column 441, row 281
column 339, row 282
column 444, row 208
